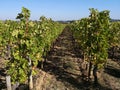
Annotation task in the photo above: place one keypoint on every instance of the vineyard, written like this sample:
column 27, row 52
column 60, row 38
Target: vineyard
column 48, row 55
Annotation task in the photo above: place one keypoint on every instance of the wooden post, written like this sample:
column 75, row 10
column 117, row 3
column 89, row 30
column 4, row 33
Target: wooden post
column 89, row 69
column 30, row 79
column 95, row 74
column 8, row 82
column 15, row 86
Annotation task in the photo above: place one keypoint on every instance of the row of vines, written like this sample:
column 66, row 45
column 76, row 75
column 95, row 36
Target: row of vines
column 95, row 35
column 24, row 43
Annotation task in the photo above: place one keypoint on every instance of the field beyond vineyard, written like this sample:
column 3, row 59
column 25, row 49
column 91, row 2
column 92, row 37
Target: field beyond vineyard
column 62, row 69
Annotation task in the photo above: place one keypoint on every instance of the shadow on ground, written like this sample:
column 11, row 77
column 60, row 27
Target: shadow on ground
column 60, row 56
column 113, row 71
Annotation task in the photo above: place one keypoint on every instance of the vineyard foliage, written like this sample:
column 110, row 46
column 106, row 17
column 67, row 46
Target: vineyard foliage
column 114, row 35
column 91, row 34
column 26, row 42
column 95, row 35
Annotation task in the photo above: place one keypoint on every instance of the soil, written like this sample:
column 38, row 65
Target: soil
column 62, row 69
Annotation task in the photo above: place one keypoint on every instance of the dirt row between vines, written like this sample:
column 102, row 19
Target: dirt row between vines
column 62, row 70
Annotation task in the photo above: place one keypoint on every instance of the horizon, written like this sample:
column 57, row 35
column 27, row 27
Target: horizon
column 57, row 10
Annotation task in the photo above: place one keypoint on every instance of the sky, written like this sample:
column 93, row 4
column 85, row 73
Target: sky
column 58, row 9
